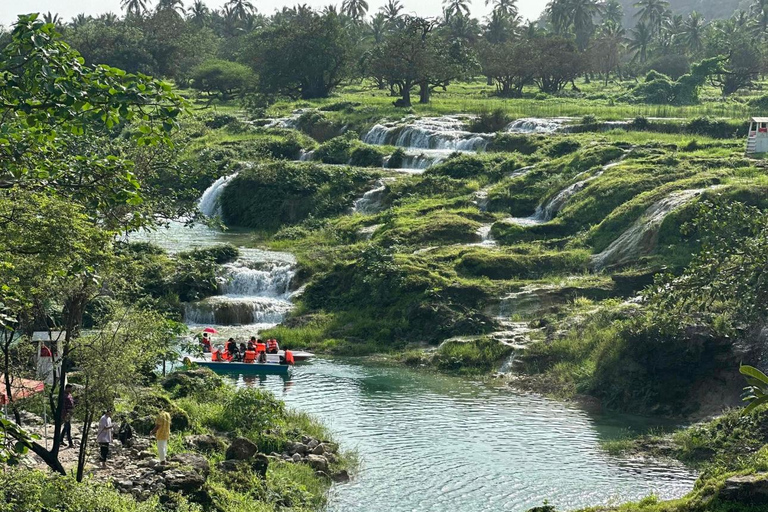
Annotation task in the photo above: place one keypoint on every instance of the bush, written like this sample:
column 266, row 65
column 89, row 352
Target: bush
column 396, row 159
column 460, row 167
column 222, row 76
column 219, row 121
column 366, row 156
column 522, row 266
column 479, row 356
column 252, row 410
column 337, row 151
column 669, row 66
column 508, row 142
column 489, row 122
column 276, row 194
column 562, row 148
column 317, row 126
column 347, row 106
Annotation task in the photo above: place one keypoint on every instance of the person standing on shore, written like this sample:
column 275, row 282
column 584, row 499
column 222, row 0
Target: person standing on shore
column 104, row 436
column 69, row 407
column 162, row 433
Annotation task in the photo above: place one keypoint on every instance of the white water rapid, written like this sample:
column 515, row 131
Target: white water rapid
column 640, row 238
column 209, row 201
column 371, row 202
column 537, row 125
column 446, row 133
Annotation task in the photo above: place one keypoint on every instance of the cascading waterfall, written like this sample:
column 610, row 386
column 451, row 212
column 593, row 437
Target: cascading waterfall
column 209, row 201
column 536, row 125
column 446, row 133
column 640, row 238
column 371, row 202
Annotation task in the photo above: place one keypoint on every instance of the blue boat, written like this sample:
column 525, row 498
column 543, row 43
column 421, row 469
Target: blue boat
column 255, row 368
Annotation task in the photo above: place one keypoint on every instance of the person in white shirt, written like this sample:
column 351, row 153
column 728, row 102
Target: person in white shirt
column 104, row 436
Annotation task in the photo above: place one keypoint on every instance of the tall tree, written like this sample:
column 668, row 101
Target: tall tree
column 455, row 8
column 241, row 9
column 136, row 7
column 355, row 9
column 506, row 8
column 613, row 11
column 176, row 6
column 652, row 13
column 199, row 13
column 640, row 41
column 392, row 10
column 693, row 33
column 759, row 12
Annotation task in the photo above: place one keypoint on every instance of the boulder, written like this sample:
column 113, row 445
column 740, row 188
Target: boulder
column 241, row 449
column 746, row 489
column 259, row 465
column 204, row 443
column 296, row 457
column 184, row 481
column 318, row 463
column 341, row 476
column 194, row 461
column 300, row 448
column 229, row 465
column 318, row 450
column 312, row 443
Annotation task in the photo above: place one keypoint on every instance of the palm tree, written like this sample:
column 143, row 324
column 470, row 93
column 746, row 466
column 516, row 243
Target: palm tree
column 176, row 6
column 610, row 43
column 740, row 18
column 499, row 27
column 693, row 32
column 583, row 12
column 642, row 37
column 652, row 13
column 559, row 14
column 613, row 11
column 455, row 8
column 355, row 9
column 241, row 9
column 378, row 27
column 137, row 7
column 759, row 12
column 52, row 19
column 670, row 32
column 198, row 13
column 505, row 8
column 392, row 10
column 109, row 19
column 80, row 20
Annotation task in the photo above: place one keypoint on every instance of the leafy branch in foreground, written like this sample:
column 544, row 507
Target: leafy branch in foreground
column 756, row 391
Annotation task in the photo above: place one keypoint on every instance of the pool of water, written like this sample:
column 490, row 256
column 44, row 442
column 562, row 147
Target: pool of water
column 431, row 442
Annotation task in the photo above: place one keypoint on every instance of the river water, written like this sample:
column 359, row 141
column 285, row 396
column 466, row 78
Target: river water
column 429, row 442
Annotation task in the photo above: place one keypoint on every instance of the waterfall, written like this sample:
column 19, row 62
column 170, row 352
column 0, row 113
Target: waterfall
column 248, row 279
column 224, row 310
column 640, row 238
column 371, row 202
column 306, row 156
column 446, row 133
column 486, row 239
column 536, row 125
column 209, row 201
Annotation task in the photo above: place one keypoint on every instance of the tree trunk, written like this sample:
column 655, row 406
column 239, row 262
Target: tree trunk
column 489, row 80
column 84, row 445
column 424, row 92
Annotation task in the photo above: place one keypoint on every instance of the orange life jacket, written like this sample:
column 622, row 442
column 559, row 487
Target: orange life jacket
column 272, row 345
column 289, row 357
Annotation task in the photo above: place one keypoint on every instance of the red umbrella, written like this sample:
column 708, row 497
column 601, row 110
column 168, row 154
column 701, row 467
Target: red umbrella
column 210, row 330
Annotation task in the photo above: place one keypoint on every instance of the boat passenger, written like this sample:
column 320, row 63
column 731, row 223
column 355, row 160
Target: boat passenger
column 232, row 349
column 242, row 351
column 252, row 343
column 206, row 341
column 272, row 346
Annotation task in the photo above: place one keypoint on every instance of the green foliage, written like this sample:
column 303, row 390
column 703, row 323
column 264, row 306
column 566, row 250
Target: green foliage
column 471, row 357
column 35, row 491
column 271, row 195
column 222, row 77
column 525, row 266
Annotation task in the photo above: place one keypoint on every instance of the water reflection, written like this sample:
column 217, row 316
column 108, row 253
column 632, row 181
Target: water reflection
column 432, row 442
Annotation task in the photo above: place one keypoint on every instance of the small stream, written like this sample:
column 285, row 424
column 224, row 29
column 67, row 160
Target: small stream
column 430, row 442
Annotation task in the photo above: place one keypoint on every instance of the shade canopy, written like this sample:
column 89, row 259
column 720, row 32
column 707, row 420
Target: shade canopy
column 20, row 388
column 210, row 330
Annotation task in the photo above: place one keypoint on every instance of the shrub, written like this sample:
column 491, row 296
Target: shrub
column 347, row 106
column 222, row 76
column 479, row 356
column 272, row 195
column 489, row 122
column 562, row 148
column 396, row 159
column 460, row 167
column 509, row 142
column 219, row 121
column 522, row 266
column 249, row 410
column 338, row 150
column 366, row 156
column 317, row 126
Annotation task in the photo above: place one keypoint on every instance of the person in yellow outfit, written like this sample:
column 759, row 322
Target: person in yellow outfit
column 162, row 433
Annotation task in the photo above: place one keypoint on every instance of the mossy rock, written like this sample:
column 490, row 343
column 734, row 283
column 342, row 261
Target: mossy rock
column 189, row 382
column 149, row 405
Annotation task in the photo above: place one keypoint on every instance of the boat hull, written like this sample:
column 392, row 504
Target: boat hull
column 245, row 368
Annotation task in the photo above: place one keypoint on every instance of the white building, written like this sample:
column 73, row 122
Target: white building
column 757, row 140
